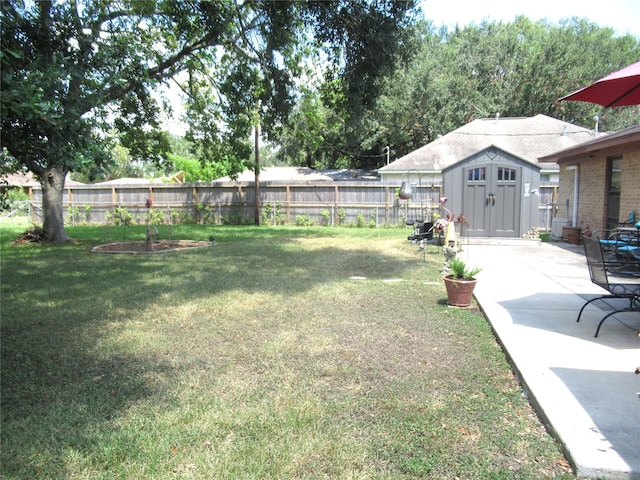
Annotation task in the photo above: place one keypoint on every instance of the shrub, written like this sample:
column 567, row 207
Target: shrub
column 326, row 217
column 304, row 221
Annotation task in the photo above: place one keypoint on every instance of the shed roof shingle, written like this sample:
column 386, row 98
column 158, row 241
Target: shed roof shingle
column 526, row 138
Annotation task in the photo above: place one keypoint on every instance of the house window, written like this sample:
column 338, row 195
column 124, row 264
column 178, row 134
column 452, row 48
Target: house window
column 506, row 174
column 616, row 175
column 476, row 174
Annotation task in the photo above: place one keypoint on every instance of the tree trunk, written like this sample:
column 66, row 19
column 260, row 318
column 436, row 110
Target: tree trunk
column 52, row 182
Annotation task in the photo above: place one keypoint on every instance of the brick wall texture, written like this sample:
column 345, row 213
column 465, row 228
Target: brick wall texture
column 593, row 186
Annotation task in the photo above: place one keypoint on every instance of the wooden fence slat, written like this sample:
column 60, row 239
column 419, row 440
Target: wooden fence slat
column 345, row 201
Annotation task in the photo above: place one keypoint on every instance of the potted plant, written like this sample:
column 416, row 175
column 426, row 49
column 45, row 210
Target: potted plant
column 460, row 282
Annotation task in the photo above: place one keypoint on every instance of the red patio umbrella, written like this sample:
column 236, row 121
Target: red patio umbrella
column 617, row 89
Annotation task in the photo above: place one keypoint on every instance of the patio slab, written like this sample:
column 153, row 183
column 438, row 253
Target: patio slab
column 584, row 388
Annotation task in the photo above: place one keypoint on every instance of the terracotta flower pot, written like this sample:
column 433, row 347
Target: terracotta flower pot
column 569, row 234
column 459, row 292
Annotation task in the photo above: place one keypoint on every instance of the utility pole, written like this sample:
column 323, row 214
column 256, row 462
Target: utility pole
column 257, row 174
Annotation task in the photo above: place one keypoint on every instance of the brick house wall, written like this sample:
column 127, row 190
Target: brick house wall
column 630, row 198
column 593, row 190
column 591, row 159
column 592, row 194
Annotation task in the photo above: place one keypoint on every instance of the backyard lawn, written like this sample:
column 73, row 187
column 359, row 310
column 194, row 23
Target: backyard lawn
column 276, row 353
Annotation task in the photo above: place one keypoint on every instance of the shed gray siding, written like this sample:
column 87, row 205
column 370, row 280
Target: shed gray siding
column 520, row 212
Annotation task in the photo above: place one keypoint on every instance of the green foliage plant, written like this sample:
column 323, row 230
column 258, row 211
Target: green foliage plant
column 122, row 216
column 87, row 214
column 271, row 216
column 156, row 217
column 267, row 214
column 342, row 215
column 15, row 195
column 235, row 216
column 73, row 215
column 174, row 216
column 459, row 270
column 325, row 214
column 203, row 213
column 372, row 220
column 304, row 221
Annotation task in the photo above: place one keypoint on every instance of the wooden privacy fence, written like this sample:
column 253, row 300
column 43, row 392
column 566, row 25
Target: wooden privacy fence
column 328, row 203
column 234, row 202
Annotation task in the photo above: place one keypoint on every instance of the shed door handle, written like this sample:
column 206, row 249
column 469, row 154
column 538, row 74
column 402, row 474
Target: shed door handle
column 491, row 199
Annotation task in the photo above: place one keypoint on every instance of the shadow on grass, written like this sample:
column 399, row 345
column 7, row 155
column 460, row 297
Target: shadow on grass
column 57, row 400
column 60, row 387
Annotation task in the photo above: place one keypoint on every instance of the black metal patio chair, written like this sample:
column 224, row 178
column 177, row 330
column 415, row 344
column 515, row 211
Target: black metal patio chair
column 620, row 249
column 618, row 287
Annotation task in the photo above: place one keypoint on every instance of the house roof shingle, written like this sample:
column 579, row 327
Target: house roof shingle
column 526, row 138
column 275, row 174
column 27, row 179
column 623, row 141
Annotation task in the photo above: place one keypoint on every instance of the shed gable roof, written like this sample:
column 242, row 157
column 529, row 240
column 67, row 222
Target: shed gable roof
column 527, row 138
column 493, row 151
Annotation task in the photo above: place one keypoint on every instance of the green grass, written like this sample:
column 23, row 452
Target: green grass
column 265, row 356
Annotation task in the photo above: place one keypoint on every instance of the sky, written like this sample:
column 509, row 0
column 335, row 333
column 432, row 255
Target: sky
column 621, row 15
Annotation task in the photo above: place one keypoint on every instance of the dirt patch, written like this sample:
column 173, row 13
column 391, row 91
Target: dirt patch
column 159, row 246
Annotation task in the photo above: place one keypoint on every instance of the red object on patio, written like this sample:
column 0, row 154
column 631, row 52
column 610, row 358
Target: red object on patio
column 617, row 89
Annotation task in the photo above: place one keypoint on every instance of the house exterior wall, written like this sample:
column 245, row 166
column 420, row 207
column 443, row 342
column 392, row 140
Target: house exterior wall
column 593, row 186
column 630, row 197
column 591, row 193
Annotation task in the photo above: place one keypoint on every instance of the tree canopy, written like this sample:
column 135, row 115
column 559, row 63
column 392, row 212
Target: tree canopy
column 73, row 70
column 515, row 69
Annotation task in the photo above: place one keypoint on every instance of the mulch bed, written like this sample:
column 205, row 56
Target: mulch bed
column 159, row 246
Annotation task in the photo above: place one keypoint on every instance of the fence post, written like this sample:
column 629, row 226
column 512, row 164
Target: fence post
column 335, row 207
column 288, row 204
column 194, row 193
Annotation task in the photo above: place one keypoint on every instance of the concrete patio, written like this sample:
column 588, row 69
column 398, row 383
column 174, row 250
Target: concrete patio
column 584, row 388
